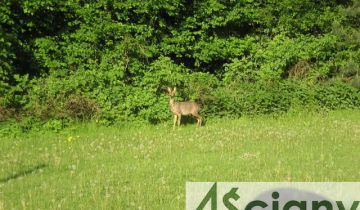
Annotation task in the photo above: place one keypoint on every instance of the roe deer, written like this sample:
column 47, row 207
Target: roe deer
column 183, row 108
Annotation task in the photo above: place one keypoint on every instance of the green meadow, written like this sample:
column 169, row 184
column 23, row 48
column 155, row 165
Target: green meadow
column 138, row 166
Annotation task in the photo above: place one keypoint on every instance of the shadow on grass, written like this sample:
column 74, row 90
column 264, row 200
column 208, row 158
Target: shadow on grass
column 190, row 120
column 23, row 173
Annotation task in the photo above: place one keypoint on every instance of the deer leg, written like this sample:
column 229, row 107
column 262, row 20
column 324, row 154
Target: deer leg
column 198, row 118
column 175, row 119
column 179, row 119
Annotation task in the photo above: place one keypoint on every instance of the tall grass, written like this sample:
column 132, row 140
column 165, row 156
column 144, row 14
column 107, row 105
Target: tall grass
column 146, row 167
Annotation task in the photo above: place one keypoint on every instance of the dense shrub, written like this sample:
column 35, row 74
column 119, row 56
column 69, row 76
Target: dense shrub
column 279, row 97
column 79, row 107
column 6, row 113
column 112, row 60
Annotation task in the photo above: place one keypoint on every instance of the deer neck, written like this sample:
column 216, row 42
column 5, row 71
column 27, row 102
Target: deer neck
column 172, row 101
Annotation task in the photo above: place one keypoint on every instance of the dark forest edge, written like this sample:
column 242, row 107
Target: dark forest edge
column 110, row 61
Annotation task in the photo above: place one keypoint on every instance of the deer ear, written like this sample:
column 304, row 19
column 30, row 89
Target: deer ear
column 174, row 90
column 168, row 89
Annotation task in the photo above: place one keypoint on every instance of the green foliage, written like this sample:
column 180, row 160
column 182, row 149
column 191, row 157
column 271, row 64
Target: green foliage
column 15, row 96
column 273, row 61
column 112, row 60
column 279, row 97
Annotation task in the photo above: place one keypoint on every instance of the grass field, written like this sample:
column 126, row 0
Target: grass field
column 146, row 167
